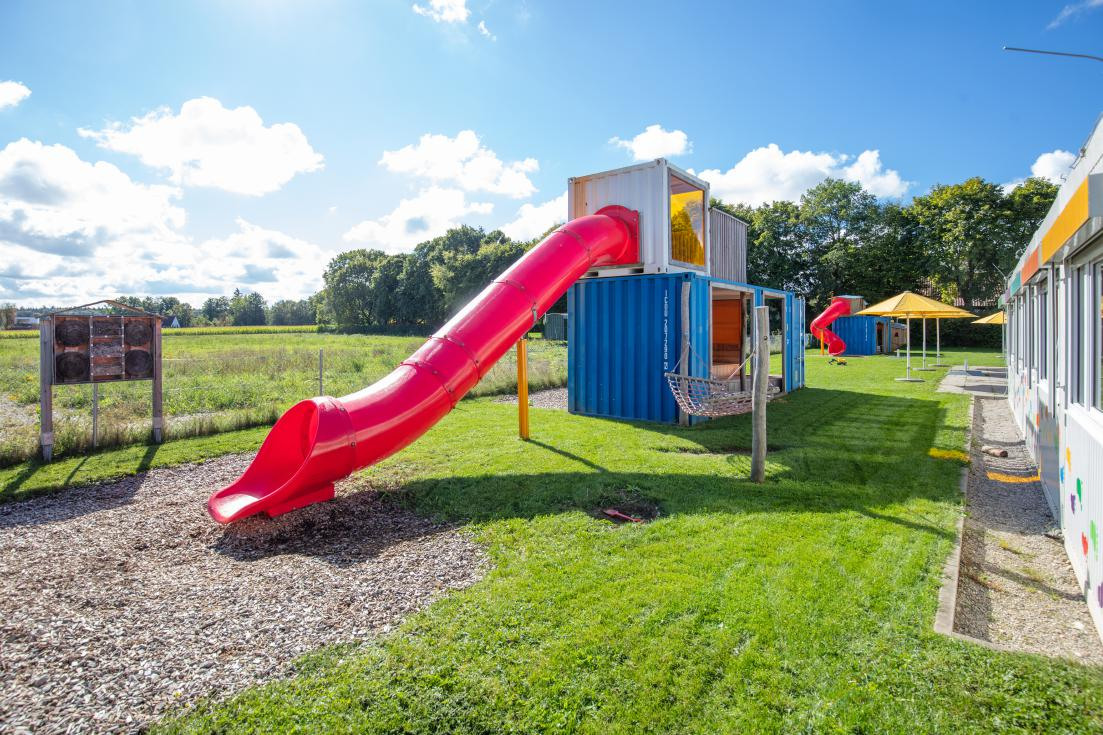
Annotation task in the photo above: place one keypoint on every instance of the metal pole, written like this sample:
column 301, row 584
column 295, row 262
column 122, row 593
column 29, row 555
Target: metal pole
column 321, row 371
column 523, row 389
column 158, row 391
column 760, row 384
column 95, row 414
column 683, row 417
column 925, row 346
column 908, row 351
column 1052, row 53
column 46, row 388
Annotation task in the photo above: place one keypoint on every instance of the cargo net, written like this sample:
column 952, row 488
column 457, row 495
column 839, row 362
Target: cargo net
column 712, row 396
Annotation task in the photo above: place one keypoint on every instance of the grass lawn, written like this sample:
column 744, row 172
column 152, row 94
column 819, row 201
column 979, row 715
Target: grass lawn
column 33, row 477
column 221, row 380
column 804, row 604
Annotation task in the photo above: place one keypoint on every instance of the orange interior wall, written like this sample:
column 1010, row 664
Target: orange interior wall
column 727, row 331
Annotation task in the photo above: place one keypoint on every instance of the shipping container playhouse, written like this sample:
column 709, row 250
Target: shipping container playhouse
column 864, row 335
column 627, row 325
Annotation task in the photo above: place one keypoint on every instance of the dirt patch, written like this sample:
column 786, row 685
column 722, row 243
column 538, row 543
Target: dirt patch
column 1016, row 587
column 121, row 601
column 554, row 398
column 627, row 506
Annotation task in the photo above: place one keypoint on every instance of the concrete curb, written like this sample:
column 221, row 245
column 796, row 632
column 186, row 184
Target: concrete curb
column 947, row 595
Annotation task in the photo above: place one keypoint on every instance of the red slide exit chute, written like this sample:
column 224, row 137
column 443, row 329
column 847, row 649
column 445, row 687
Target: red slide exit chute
column 840, row 306
column 321, row 440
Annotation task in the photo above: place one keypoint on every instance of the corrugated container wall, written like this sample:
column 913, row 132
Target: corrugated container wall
column 623, row 334
column 860, row 334
column 555, row 327
column 729, row 245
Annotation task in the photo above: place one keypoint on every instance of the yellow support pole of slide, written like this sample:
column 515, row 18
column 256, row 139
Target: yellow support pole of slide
column 523, row 389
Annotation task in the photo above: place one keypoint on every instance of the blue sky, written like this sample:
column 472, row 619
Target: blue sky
column 189, row 148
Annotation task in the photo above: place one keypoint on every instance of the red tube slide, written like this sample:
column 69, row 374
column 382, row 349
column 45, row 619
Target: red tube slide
column 321, row 440
column 819, row 326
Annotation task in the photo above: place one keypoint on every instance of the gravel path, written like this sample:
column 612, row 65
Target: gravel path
column 555, row 398
column 121, row 601
column 1016, row 587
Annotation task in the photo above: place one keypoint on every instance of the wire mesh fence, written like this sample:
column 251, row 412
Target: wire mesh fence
column 230, row 390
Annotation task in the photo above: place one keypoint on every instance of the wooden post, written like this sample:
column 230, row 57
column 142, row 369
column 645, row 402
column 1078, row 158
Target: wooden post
column 46, row 387
column 158, row 408
column 321, row 372
column 683, row 417
column 95, row 415
column 523, row 389
column 760, row 385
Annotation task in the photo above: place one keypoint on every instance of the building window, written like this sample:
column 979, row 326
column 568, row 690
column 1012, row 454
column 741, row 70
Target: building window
column 1032, row 331
column 1076, row 337
column 1097, row 342
column 687, row 222
column 1043, row 332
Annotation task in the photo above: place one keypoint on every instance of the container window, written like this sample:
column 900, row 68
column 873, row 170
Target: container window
column 687, row 222
column 1097, row 342
column 1043, row 333
column 1076, row 338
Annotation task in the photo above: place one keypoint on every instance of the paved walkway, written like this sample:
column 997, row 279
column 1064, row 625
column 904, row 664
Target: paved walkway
column 978, row 381
column 1016, row 587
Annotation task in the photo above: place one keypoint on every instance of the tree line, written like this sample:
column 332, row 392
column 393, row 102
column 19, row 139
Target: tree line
column 957, row 243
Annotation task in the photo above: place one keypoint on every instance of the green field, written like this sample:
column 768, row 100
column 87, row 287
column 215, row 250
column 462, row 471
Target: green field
column 804, row 604
column 221, row 380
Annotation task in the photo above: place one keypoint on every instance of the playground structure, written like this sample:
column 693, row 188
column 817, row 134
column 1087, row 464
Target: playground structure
column 685, row 308
column 649, row 301
column 845, row 332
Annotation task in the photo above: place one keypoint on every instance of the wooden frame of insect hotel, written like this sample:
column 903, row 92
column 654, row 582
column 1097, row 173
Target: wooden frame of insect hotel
column 105, row 341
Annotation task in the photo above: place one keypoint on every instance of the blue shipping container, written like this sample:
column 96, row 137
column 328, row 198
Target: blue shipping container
column 861, row 334
column 625, row 332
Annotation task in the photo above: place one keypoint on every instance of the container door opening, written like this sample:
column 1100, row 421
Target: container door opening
column 776, row 305
column 731, row 324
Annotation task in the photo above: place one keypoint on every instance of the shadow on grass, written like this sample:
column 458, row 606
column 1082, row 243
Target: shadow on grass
column 835, row 452
column 73, row 500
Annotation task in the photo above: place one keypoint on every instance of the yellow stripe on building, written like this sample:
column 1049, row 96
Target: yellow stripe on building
column 1072, row 217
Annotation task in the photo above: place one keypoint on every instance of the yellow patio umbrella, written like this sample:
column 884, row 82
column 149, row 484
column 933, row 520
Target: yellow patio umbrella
column 909, row 305
column 996, row 318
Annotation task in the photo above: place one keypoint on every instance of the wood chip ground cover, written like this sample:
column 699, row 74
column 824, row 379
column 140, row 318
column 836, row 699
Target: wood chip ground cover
column 124, row 600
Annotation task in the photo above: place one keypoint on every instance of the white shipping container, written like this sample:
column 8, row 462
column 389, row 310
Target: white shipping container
column 646, row 188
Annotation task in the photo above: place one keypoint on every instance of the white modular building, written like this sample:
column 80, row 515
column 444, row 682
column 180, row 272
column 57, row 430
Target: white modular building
column 1054, row 341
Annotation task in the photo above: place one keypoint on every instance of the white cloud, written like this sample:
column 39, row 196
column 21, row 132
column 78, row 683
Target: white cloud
column 769, row 174
column 869, row 171
column 429, row 214
column 486, row 31
column 273, row 263
column 534, row 220
column 1053, row 166
column 73, row 232
column 1072, row 10
column 52, row 201
column 12, row 93
column 209, row 145
column 462, row 161
column 655, row 142
column 444, row 11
